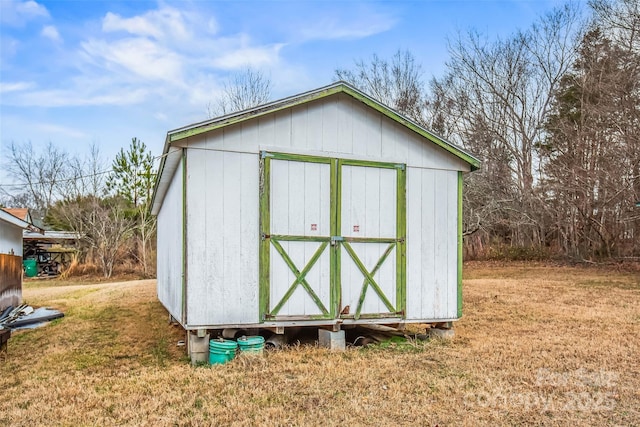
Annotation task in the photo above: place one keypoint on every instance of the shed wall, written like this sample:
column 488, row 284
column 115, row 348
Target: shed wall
column 10, row 239
column 432, row 255
column 223, row 237
column 170, row 244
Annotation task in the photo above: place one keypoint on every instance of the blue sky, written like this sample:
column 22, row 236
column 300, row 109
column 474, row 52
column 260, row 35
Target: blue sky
column 82, row 72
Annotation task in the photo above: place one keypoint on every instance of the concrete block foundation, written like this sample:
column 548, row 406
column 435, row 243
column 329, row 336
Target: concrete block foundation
column 198, row 348
column 331, row 340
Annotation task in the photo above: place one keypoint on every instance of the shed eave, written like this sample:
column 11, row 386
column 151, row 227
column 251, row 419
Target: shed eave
column 168, row 166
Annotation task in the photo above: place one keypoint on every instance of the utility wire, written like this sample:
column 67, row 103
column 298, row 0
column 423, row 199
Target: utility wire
column 68, row 179
column 58, row 181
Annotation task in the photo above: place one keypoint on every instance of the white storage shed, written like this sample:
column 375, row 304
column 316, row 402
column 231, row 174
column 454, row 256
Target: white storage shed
column 325, row 208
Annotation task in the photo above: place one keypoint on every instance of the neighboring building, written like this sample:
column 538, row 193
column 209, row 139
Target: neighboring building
column 326, row 208
column 52, row 250
column 22, row 213
column 11, row 228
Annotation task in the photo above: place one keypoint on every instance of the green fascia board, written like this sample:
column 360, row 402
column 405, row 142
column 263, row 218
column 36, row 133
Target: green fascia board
column 163, row 160
column 339, row 87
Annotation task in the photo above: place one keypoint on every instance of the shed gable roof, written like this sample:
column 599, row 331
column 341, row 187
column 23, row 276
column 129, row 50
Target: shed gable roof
column 165, row 174
column 338, row 87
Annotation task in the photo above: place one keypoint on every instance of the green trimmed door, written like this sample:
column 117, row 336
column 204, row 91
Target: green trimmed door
column 371, row 226
column 332, row 238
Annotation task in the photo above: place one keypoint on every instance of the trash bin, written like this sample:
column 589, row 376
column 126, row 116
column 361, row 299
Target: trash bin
column 30, row 267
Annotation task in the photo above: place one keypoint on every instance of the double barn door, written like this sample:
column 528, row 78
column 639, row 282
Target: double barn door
column 332, row 238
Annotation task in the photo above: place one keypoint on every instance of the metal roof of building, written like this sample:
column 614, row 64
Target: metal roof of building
column 50, row 235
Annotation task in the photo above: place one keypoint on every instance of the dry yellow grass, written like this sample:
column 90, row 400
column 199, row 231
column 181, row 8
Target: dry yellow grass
column 537, row 346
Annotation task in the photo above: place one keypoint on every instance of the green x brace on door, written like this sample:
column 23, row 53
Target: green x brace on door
column 332, row 238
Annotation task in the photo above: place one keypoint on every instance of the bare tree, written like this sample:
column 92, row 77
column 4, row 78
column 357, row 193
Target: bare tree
column 246, row 89
column 39, row 173
column 397, row 83
column 87, row 175
column 146, row 226
column 102, row 224
column 498, row 95
column 620, row 20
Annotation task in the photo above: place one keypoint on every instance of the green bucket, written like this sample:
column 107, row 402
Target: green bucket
column 221, row 351
column 253, row 345
column 30, row 267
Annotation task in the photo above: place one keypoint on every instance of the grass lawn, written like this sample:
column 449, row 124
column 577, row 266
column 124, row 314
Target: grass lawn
column 537, row 345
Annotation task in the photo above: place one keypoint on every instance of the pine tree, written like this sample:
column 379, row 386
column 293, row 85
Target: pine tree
column 133, row 178
column 133, row 175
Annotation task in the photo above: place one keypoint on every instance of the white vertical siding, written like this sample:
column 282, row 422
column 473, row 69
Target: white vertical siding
column 10, row 239
column 431, row 244
column 222, row 233
column 169, row 253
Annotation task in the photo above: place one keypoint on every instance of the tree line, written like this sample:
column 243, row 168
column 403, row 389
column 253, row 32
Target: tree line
column 106, row 206
column 553, row 112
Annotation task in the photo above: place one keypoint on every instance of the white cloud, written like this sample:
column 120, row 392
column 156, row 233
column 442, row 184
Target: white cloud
column 51, row 32
column 158, row 24
column 31, row 8
column 17, row 13
column 212, row 25
column 347, row 27
column 60, row 130
column 161, row 116
column 79, row 97
column 9, row 45
column 6, row 87
column 165, row 54
column 139, row 56
column 257, row 57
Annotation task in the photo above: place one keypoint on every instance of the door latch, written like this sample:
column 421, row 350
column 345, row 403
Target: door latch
column 336, row 239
